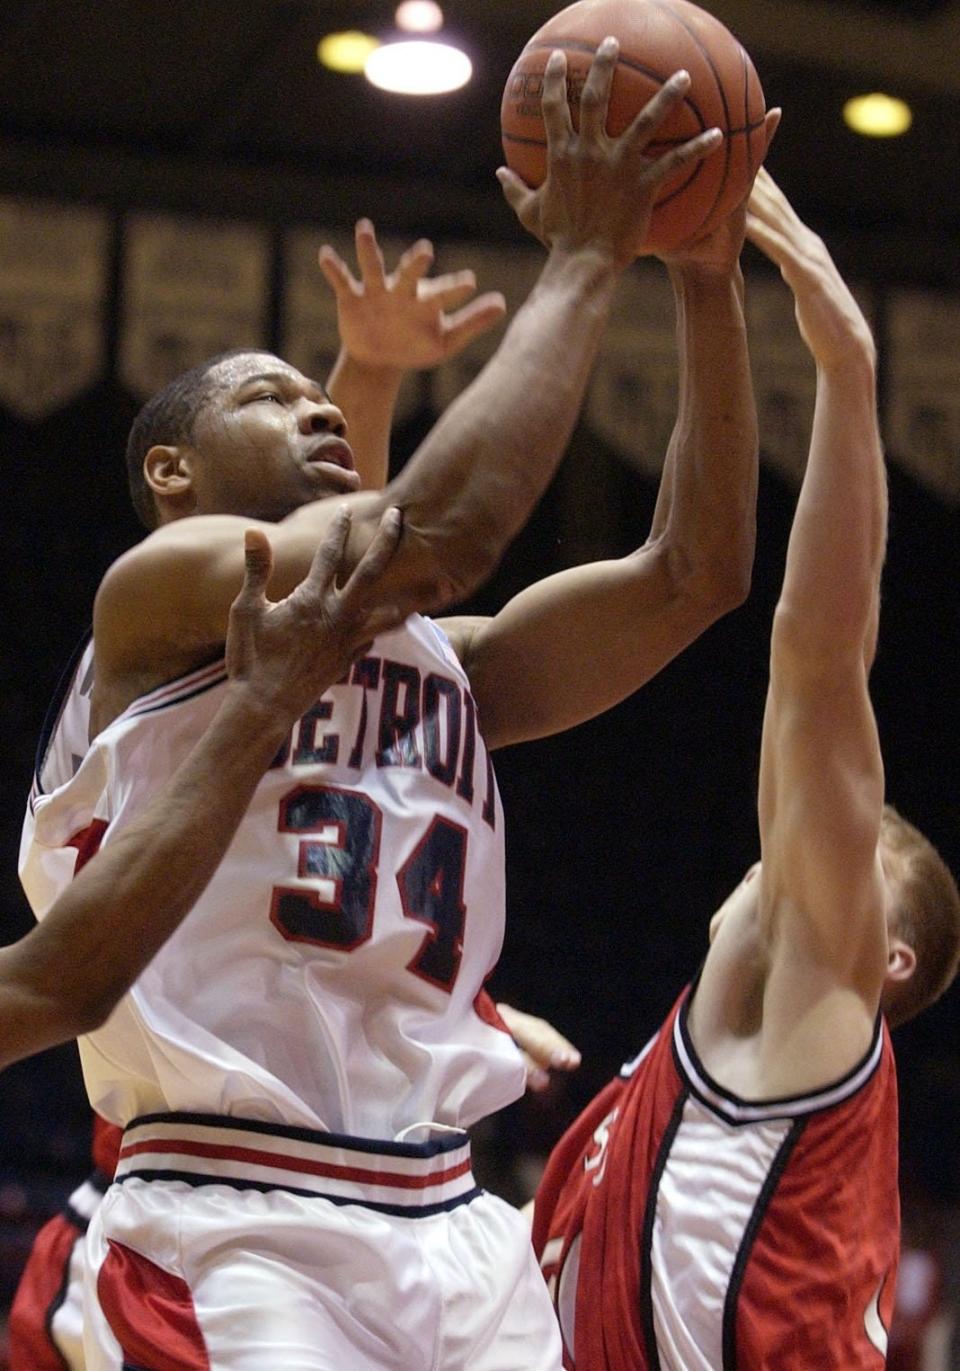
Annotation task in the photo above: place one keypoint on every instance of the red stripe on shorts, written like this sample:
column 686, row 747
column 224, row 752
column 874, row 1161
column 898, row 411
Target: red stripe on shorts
column 150, row 1312
column 254, row 1157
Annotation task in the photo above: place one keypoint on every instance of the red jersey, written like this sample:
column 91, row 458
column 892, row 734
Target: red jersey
column 681, row 1228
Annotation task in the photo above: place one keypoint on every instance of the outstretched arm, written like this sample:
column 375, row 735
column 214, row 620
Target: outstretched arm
column 821, row 781
column 391, row 323
column 66, row 975
column 629, row 617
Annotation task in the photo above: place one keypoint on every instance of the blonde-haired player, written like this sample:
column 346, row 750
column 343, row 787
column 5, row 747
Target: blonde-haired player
column 731, row 1199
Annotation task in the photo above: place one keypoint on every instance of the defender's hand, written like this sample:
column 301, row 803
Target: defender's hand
column 829, row 317
column 285, row 655
column 404, row 319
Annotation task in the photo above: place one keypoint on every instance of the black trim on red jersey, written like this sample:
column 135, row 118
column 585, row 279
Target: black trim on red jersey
column 55, row 707
column 783, row 1106
column 399, row 1211
column 74, row 1217
column 780, row 1162
column 98, row 1182
column 433, row 1147
column 646, row 1241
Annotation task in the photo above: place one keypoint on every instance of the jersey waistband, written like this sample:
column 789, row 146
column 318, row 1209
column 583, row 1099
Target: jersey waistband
column 413, row 1180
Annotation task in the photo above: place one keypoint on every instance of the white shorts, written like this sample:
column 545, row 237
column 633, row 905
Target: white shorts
column 230, row 1244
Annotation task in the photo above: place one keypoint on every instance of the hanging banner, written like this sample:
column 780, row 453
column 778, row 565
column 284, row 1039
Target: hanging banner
column 922, row 406
column 632, row 400
column 53, row 285
column 191, row 288
column 310, row 338
column 512, row 271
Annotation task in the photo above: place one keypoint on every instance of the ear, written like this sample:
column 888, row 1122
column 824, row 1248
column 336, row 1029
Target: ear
column 901, row 960
column 168, row 473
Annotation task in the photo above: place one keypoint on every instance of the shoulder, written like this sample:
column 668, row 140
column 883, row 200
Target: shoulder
column 152, row 612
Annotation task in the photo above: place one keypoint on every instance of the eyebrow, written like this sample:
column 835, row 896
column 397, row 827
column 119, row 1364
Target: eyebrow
column 283, row 378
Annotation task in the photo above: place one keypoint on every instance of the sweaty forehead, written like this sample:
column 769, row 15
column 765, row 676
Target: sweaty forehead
column 234, row 371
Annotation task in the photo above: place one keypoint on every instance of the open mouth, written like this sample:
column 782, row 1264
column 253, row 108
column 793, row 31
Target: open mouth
column 336, row 451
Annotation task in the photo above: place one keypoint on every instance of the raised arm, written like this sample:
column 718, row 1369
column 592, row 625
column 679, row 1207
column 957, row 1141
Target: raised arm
column 66, row 975
column 629, row 617
column 509, row 429
column 391, row 323
column 821, row 781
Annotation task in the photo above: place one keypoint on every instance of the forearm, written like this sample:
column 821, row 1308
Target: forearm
column 127, row 901
column 474, row 481
column 706, row 508
column 828, row 607
column 367, row 395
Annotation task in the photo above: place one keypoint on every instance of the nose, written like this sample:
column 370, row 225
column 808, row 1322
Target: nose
column 321, row 417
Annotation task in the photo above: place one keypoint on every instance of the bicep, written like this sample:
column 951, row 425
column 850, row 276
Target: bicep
column 169, row 597
column 171, row 594
column 579, row 642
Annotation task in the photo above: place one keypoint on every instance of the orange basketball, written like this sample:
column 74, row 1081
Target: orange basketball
column 657, row 38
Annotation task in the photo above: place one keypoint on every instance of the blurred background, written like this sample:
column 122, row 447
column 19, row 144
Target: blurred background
column 167, row 170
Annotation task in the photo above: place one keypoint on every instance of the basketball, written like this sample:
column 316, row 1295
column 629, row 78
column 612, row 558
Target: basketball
column 657, row 38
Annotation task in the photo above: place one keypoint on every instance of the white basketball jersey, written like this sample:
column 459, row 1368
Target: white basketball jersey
column 331, row 975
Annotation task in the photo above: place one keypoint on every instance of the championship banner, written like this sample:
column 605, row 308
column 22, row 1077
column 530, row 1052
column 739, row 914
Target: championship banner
column 310, row 338
column 53, row 285
column 191, row 288
column 632, row 400
column 922, row 401
column 510, row 270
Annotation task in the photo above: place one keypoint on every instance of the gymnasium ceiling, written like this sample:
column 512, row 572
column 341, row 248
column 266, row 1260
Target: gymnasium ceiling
column 220, row 105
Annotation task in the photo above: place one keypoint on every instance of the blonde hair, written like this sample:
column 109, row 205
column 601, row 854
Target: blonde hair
column 926, row 916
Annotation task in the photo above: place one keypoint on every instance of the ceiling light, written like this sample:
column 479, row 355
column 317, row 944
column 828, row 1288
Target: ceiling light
column 877, row 115
column 419, row 16
column 347, row 51
column 418, row 68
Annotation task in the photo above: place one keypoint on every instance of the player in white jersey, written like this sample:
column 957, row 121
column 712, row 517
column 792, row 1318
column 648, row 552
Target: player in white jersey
column 389, row 321
column 66, row 976
column 339, row 984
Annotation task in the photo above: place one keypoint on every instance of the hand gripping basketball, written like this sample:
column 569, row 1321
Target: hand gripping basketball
column 599, row 190
column 657, row 38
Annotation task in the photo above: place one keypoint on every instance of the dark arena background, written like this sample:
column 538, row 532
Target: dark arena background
column 166, row 172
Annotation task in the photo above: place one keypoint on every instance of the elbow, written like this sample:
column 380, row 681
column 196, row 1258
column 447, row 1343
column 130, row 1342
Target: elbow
column 89, row 1016
column 807, row 647
column 457, row 564
column 91, row 1009
column 713, row 587
column 729, row 583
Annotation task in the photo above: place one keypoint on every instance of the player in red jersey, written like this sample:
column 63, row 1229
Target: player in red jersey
column 731, row 1200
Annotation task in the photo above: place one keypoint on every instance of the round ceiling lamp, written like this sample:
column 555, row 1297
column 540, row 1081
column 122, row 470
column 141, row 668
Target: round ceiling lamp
column 877, row 115
column 419, row 16
column 418, row 67
column 347, row 51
